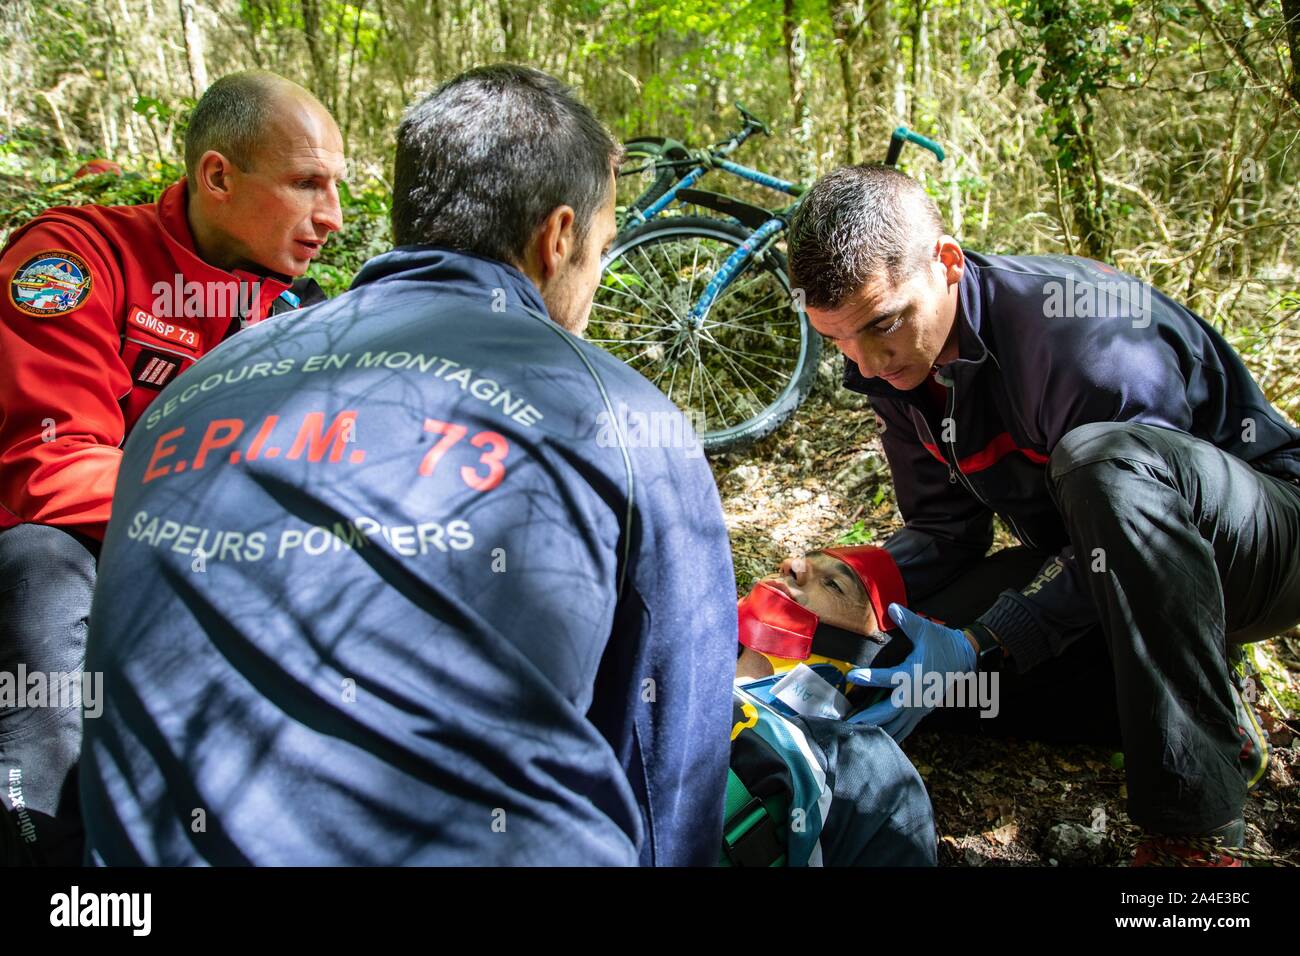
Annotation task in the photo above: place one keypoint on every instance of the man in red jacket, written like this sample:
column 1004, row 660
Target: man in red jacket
column 100, row 309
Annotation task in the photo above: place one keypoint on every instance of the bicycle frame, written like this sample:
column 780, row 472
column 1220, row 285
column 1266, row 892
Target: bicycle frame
column 636, row 217
column 768, row 232
column 750, row 248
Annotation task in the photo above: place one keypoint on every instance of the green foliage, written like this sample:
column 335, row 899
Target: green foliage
column 152, row 108
column 1075, row 48
column 366, row 233
column 1116, row 128
column 21, row 198
column 1079, row 46
column 858, row 534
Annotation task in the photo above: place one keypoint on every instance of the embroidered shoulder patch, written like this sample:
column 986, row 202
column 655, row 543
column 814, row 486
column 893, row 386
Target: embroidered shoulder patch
column 54, row 282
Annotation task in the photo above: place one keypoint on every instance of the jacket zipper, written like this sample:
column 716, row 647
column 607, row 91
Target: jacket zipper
column 954, row 472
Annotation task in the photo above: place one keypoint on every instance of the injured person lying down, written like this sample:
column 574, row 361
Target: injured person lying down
column 826, row 607
column 810, row 785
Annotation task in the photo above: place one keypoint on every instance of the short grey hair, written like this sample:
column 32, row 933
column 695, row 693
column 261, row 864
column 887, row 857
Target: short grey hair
column 487, row 156
column 855, row 224
column 231, row 117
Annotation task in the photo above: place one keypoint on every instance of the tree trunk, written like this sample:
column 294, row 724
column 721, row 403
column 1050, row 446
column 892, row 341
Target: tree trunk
column 52, row 102
column 920, row 58
column 882, row 40
column 193, row 36
column 352, row 65
column 1085, row 189
column 1291, row 14
column 894, row 45
column 313, row 33
column 509, row 30
column 847, row 21
column 796, row 56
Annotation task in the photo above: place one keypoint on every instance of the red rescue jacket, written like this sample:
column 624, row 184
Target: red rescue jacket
column 100, row 308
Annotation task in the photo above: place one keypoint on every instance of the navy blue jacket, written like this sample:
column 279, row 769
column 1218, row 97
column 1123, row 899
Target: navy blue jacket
column 381, row 587
column 1046, row 344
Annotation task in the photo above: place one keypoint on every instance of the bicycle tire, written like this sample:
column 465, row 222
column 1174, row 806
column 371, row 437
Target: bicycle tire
column 797, row 382
column 649, row 149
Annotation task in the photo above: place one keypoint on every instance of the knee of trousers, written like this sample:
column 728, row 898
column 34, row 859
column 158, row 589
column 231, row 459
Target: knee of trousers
column 47, row 580
column 36, row 550
column 1099, row 458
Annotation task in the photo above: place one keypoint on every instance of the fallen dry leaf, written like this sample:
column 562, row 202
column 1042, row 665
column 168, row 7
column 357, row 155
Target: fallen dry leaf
column 1002, row 836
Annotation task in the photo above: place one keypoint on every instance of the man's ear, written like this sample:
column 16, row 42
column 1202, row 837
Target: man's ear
column 952, row 258
column 554, row 241
column 212, row 176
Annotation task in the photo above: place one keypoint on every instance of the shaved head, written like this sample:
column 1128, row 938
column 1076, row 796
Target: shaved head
column 859, row 224
column 263, row 163
column 235, row 113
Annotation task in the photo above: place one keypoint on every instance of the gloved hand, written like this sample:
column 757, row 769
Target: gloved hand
column 935, row 648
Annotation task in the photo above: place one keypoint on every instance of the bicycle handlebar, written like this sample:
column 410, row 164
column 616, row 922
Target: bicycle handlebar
column 752, row 120
column 904, row 135
column 752, row 125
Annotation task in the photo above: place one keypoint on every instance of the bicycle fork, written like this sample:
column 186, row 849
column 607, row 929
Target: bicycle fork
column 750, row 249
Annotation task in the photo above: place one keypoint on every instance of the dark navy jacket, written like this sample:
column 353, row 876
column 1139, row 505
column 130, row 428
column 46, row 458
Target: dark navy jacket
column 359, row 602
column 1046, row 344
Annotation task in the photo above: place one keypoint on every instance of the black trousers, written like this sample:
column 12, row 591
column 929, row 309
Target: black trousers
column 47, row 578
column 1201, row 551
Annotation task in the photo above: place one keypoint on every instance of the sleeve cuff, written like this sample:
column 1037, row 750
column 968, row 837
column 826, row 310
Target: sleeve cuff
column 1018, row 630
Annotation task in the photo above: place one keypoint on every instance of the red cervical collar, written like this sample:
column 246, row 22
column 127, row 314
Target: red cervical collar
column 772, row 623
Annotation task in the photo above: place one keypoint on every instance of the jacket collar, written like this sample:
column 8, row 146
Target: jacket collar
column 173, row 217
column 465, row 273
column 971, row 350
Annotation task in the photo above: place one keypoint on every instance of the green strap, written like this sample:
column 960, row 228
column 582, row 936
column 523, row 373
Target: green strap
column 749, row 828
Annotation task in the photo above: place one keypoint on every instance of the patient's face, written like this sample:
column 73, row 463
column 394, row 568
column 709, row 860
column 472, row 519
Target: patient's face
column 829, row 588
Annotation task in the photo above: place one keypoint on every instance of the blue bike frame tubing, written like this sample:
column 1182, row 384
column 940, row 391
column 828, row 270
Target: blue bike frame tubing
column 754, row 176
column 664, row 201
column 747, row 249
column 691, row 178
column 732, row 267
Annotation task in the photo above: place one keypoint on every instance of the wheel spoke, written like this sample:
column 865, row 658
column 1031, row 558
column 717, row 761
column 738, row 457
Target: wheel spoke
column 747, row 357
column 751, row 345
column 751, row 329
column 635, row 315
column 627, row 291
column 658, row 289
column 743, row 374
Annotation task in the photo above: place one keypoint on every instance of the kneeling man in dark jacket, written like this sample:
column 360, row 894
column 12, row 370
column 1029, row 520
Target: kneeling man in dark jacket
column 1150, row 482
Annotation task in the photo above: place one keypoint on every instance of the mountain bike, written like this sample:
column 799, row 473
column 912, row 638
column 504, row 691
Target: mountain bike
column 702, row 305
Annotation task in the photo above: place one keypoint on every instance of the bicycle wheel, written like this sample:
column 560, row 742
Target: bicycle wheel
column 642, row 178
column 751, row 362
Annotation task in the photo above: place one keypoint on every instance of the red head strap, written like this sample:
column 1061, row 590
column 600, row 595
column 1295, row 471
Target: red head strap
column 878, row 573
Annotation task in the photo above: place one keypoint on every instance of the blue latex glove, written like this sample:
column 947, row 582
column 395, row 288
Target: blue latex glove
column 935, row 648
